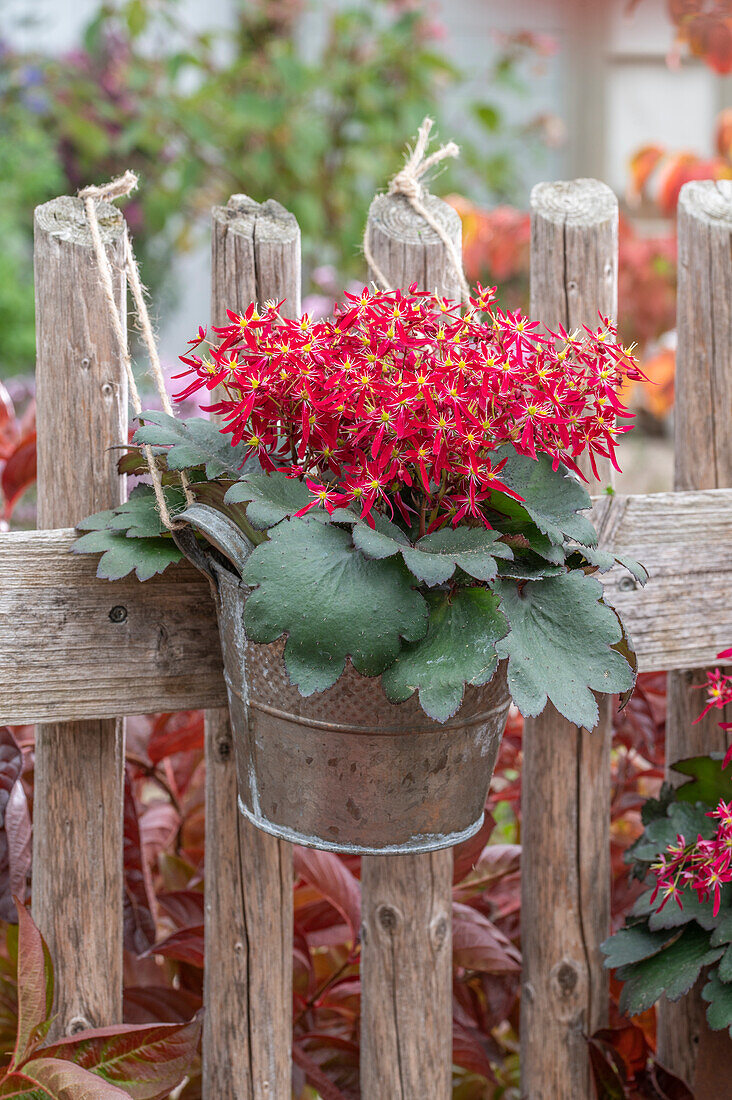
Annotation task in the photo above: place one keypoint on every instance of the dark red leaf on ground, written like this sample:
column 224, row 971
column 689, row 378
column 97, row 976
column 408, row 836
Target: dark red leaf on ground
column 184, row 907
column 173, row 733
column 155, row 1004
column 328, row 874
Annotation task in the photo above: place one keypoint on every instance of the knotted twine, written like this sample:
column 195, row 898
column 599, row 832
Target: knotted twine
column 407, row 182
column 90, row 196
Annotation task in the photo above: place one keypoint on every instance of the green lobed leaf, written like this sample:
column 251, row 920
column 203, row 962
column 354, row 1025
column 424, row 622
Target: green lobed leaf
column 138, row 517
column 671, row 971
column 192, row 442
column 559, row 646
column 634, row 943
column 145, row 1060
column 331, row 601
column 459, row 648
column 121, row 556
column 709, row 781
column 604, row 561
column 270, row 497
column 722, row 934
column 725, row 965
column 528, row 566
column 718, row 995
column 553, row 499
column 434, row 558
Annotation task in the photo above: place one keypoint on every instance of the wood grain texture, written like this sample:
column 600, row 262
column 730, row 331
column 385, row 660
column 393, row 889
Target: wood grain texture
column 406, row 970
column 565, row 896
column 52, row 604
column 703, row 460
column 247, row 1035
column 81, row 393
column 681, row 619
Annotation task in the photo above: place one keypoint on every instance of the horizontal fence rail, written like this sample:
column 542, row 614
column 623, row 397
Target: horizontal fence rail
column 168, row 633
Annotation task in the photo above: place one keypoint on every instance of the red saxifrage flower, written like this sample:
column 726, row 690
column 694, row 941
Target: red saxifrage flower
column 398, row 403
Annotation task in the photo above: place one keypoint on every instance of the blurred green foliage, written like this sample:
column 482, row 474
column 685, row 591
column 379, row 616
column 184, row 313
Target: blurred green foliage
column 200, row 115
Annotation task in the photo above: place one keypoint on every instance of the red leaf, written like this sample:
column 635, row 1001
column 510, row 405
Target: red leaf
column 184, row 907
column 146, row 1061
column 314, row 1074
column 9, row 428
column 469, row 1052
column 629, row 1043
column 328, row 874
column 66, row 1079
column 152, row 1004
column 159, row 823
column 478, row 945
column 19, row 472
column 139, row 924
column 35, row 985
column 19, row 834
column 22, row 1088
column 14, row 827
column 185, row 945
column 182, row 732
column 467, row 854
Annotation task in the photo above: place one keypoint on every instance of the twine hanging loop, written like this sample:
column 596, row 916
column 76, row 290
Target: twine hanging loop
column 407, row 182
column 90, row 196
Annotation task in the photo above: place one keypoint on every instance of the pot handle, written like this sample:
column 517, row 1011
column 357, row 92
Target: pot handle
column 220, row 531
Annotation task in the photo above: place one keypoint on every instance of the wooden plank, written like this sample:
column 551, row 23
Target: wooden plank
column 681, row 619
column 81, row 392
column 53, row 605
column 406, row 962
column 247, row 1031
column 703, row 460
column 565, row 824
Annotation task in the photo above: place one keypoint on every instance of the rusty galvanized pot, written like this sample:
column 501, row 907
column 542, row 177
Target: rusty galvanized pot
column 346, row 770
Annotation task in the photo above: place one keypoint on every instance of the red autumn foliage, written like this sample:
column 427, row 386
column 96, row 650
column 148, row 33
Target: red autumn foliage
column 17, row 453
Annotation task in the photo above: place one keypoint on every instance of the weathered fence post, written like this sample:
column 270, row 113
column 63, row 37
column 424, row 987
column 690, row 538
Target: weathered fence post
column 565, row 833
column 406, row 968
column 249, row 876
column 703, row 428
column 82, row 412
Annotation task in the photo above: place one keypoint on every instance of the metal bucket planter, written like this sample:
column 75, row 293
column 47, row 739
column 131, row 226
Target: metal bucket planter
column 345, row 770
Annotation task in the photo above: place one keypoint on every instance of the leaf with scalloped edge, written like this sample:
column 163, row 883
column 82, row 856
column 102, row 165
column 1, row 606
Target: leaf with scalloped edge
column 434, row 558
column 191, row 442
column 672, row 971
column 559, row 646
column 718, row 995
column 553, row 499
column 120, row 556
column 331, row 601
column 459, row 648
column 138, row 517
column 271, row 498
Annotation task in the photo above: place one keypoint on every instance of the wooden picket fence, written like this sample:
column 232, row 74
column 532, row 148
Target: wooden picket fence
column 77, row 653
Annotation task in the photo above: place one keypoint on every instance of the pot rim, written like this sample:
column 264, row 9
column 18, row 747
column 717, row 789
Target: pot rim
column 430, row 842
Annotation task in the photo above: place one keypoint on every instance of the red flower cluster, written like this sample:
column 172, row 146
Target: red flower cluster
column 400, row 400
column 704, row 864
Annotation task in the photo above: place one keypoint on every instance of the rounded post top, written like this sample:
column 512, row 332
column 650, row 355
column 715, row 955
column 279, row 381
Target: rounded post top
column 65, row 219
column 709, row 201
column 273, row 221
column 395, row 217
column 581, row 202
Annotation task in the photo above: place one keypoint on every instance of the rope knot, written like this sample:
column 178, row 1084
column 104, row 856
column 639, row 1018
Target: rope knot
column 407, row 182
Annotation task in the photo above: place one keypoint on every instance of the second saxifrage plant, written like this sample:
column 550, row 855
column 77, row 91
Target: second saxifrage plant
column 391, row 510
